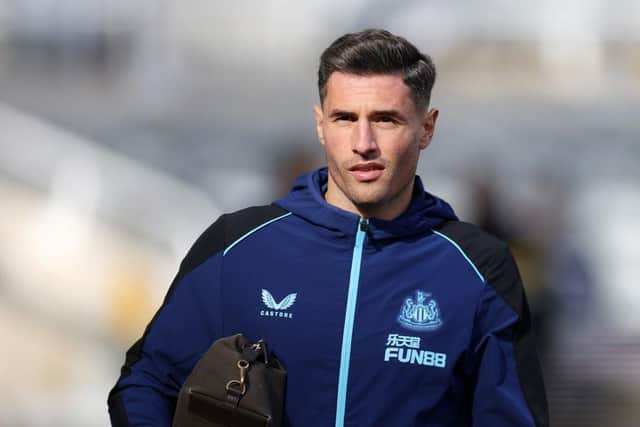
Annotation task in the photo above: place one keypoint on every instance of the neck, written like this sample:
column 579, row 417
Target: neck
column 388, row 210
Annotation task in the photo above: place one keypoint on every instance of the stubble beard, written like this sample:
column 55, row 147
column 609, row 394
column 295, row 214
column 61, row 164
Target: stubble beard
column 369, row 198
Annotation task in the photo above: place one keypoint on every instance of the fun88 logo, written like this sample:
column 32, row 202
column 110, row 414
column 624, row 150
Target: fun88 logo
column 406, row 349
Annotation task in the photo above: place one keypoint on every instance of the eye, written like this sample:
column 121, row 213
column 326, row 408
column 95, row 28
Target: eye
column 387, row 121
column 344, row 118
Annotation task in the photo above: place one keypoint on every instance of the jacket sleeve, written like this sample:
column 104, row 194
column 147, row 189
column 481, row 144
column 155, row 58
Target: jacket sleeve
column 181, row 331
column 507, row 386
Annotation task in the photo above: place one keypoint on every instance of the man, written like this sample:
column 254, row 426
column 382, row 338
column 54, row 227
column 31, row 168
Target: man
column 384, row 309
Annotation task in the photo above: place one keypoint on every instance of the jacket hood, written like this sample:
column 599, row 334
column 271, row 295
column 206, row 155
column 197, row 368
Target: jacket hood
column 306, row 200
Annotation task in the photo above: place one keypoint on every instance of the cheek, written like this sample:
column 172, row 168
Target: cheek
column 337, row 134
column 403, row 149
column 336, row 143
column 333, row 156
column 330, row 148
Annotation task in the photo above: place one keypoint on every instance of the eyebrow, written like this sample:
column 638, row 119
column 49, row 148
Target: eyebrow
column 374, row 114
column 342, row 113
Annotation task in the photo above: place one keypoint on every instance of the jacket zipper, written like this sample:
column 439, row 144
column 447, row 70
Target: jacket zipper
column 345, row 355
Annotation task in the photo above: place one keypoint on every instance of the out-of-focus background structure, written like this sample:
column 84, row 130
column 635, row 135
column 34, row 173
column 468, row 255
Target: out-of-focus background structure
column 126, row 128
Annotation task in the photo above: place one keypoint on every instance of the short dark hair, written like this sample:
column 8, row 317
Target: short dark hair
column 373, row 51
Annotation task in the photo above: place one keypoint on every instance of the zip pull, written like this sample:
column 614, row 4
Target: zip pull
column 363, row 224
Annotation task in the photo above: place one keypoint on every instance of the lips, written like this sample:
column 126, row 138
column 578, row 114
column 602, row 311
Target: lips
column 365, row 172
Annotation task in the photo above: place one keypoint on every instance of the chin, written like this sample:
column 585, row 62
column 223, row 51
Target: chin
column 367, row 203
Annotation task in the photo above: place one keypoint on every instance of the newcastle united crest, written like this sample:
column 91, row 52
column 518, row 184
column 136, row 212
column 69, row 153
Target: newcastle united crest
column 420, row 315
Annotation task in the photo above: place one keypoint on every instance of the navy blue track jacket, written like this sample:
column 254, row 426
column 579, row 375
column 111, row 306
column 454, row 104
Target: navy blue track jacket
column 419, row 321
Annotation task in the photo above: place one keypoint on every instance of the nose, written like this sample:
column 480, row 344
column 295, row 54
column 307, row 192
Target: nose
column 364, row 141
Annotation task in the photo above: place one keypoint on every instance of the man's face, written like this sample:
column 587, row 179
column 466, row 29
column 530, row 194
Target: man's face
column 372, row 134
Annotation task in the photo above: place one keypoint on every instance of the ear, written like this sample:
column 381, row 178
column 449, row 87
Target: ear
column 319, row 115
column 428, row 127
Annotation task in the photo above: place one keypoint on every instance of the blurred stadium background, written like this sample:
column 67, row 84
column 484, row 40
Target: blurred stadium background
column 126, row 128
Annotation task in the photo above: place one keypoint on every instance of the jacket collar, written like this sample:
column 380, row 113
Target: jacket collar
column 306, row 200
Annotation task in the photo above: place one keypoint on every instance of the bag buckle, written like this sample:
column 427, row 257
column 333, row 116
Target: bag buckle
column 239, row 387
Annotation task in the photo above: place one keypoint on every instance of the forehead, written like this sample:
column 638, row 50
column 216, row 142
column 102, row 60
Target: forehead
column 379, row 91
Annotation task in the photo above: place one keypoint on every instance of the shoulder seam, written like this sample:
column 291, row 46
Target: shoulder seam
column 253, row 230
column 462, row 252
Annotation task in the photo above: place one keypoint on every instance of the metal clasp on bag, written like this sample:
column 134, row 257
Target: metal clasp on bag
column 239, row 385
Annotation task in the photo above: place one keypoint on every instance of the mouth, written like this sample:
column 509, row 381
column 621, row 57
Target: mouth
column 369, row 171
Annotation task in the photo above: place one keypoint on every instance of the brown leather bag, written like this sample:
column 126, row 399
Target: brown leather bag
column 235, row 384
